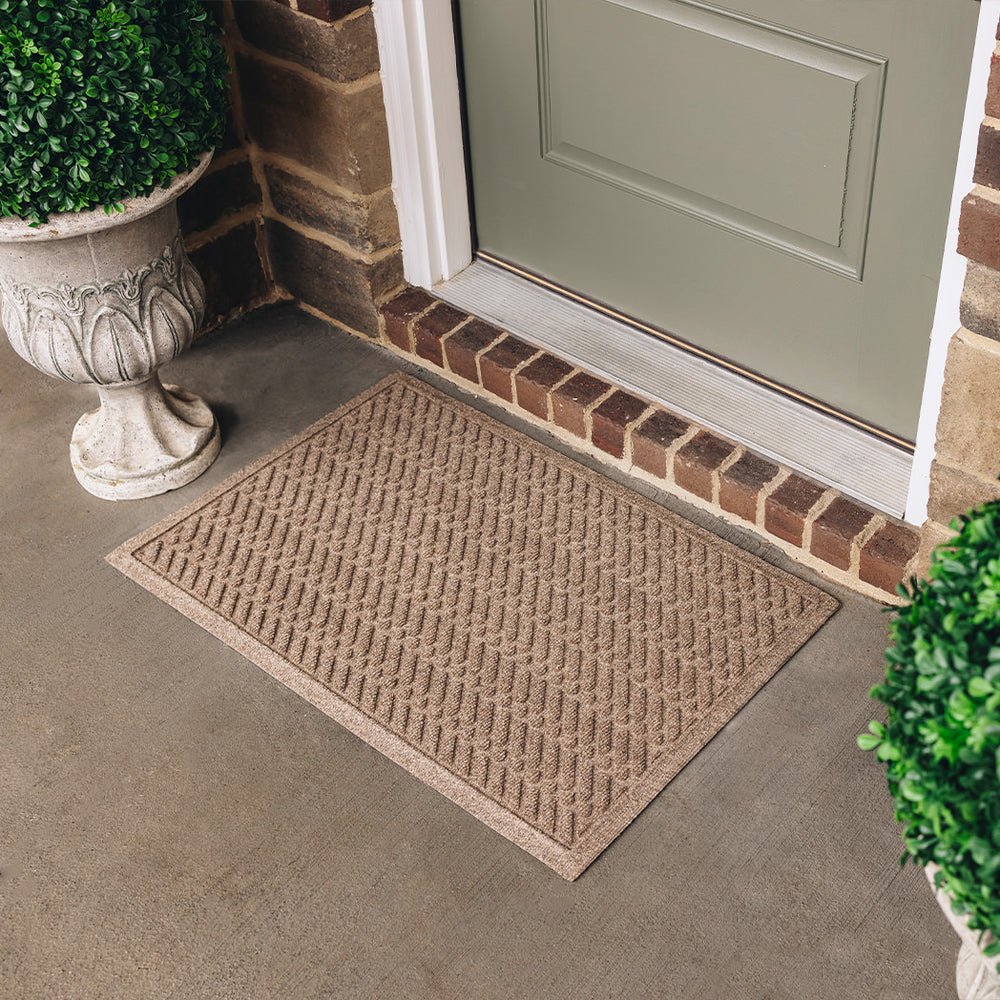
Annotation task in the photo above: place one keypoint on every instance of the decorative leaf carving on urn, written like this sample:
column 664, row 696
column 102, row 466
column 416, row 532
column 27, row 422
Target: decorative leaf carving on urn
column 112, row 331
column 166, row 316
column 52, row 343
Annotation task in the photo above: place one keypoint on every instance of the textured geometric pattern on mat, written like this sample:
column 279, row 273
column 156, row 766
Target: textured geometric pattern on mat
column 543, row 646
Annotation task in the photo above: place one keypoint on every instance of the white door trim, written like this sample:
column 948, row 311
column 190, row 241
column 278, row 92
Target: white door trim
column 420, row 80
column 416, row 46
column 946, row 320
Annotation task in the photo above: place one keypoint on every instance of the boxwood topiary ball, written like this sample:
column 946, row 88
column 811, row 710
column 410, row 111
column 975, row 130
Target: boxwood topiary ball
column 101, row 101
column 942, row 736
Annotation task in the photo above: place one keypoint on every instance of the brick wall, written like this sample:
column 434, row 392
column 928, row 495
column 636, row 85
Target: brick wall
column 967, row 459
column 312, row 101
column 222, row 215
column 297, row 203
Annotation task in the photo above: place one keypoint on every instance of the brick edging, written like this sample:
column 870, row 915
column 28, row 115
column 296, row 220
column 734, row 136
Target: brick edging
column 816, row 525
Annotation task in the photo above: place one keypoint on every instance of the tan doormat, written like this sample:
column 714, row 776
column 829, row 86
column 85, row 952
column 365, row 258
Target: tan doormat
column 541, row 645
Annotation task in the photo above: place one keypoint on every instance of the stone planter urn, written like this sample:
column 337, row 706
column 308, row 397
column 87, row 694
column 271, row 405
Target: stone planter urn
column 976, row 976
column 105, row 299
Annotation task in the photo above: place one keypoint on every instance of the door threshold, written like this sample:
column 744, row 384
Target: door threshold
column 833, row 451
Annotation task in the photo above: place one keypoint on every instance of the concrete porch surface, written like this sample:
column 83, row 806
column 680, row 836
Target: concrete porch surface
column 176, row 824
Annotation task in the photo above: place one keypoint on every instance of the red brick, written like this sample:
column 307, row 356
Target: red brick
column 432, row 327
column 571, row 400
column 652, row 439
column 400, row 311
column 462, row 347
column 609, row 421
column 835, row 529
column 885, row 555
column 498, row 364
column 979, row 231
column 788, row 507
column 993, row 88
column 988, row 157
column 697, row 460
column 534, row 382
column 741, row 483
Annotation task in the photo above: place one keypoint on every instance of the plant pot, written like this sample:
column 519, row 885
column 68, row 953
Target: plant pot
column 105, row 300
column 976, row 976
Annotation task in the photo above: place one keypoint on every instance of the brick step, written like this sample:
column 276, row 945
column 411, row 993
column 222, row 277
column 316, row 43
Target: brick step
column 816, row 525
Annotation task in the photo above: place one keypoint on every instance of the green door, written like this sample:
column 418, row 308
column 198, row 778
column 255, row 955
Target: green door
column 770, row 184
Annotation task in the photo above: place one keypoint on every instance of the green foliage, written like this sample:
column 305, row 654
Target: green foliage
column 941, row 743
column 102, row 100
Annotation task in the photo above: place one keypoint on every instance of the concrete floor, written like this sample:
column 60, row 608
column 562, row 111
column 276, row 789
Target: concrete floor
column 176, row 824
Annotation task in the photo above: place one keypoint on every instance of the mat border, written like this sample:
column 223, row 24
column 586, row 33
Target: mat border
column 567, row 862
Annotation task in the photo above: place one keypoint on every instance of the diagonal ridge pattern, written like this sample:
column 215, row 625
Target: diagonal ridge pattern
column 548, row 639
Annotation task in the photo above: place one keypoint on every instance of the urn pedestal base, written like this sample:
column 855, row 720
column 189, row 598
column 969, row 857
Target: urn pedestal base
column 976, row 976
column 145, row 439
column 106, row 299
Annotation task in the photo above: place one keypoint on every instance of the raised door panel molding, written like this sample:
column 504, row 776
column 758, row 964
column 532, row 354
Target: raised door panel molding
column 779, row 146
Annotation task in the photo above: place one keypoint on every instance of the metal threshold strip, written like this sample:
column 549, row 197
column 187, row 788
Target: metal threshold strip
column 865, row 463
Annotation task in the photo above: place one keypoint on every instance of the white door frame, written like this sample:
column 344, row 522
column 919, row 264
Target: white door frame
column 416, row 47
column 416, row 43
column 946, row 319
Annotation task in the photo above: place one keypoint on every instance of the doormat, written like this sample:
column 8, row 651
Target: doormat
column 541, row 645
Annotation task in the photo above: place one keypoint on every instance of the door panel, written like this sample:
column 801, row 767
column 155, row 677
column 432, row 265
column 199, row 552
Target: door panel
column 771, row 185
column 804, row 119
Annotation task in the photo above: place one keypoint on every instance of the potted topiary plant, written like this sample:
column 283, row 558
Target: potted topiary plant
column 941, row 740
column 108, row 111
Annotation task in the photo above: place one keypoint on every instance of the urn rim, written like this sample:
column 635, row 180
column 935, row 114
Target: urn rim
column 63, row 225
